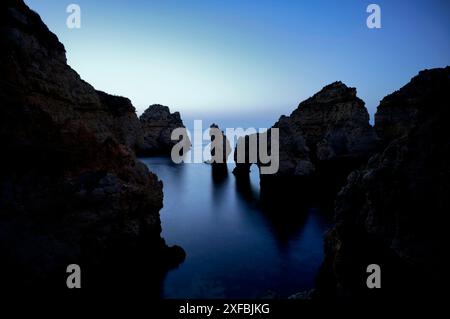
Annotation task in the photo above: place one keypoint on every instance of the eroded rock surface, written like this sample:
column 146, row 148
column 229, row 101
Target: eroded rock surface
column 157, row 126
column 330, row 126
column 392, row 211
column 320, row 143
column 220, row 150
column 71, row 190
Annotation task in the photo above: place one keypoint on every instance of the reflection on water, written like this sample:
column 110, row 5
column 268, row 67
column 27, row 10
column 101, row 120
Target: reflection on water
column 235, row 249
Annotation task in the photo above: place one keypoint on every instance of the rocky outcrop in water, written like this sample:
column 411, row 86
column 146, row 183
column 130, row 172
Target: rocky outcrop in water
column 324, row 139
column 392, row 211
column 332, row 125
column 71, row 190
column 157, row 125
column 220, row 150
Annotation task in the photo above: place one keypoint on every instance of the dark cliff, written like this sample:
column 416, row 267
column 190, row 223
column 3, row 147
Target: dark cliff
column 392, row 211
column 71, row 190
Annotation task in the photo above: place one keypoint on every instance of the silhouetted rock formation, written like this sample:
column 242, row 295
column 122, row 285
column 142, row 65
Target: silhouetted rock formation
column 157, row 126
column 331, row 125
column 123, row 122
column 71, row 190
column 242, row 169
column 391, row 212
column 325, row 138
column 220, row 150
column 406, row 109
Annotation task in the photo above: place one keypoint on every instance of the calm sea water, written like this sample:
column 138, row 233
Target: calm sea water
column 234, row 249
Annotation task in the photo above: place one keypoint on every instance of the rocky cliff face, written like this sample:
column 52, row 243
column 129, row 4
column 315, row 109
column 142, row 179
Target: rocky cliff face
column 392, row 211
column 331, row 125
column 123, row 122
column 71, row 190
column 157, row 126
column 406, row 109
column 325, row 138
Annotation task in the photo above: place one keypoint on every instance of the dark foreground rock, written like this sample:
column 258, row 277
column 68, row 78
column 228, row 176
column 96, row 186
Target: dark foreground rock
column 157, row 126
column 393, row 211
column 71, row 190
column 122, row 120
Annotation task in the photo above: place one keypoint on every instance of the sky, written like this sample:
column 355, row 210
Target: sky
column 247, row 62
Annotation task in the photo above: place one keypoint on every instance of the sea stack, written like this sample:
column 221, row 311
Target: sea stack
column 157, row 126
column 220, row 150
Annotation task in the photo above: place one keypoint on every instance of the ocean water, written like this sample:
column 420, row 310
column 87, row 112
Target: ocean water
column 234, row 248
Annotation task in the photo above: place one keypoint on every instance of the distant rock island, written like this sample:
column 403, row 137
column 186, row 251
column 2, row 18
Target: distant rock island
column 157, row 125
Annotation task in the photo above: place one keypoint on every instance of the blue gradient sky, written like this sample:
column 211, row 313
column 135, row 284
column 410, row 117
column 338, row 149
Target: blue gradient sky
column 247, row 60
